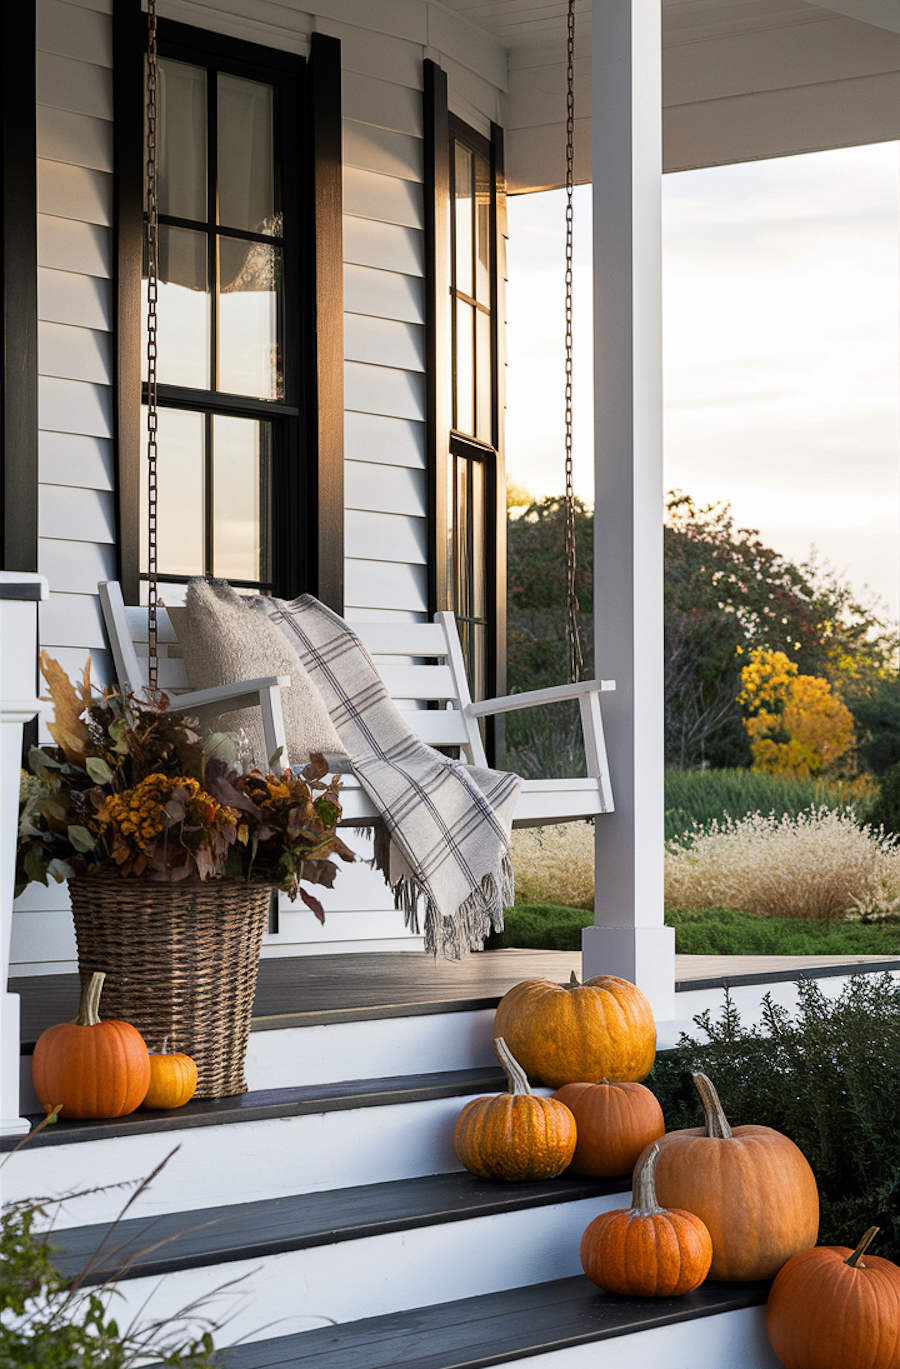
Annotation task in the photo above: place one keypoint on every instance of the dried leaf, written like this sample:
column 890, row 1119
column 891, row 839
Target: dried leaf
column 69, row 731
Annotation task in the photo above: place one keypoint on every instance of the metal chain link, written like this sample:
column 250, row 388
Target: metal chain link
column 152, row 284
column 573, row 638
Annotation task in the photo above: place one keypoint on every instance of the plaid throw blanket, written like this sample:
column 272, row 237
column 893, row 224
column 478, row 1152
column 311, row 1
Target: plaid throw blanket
column 446, row 826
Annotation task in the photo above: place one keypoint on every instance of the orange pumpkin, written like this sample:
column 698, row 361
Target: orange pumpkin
column 616, row 1122
column 828, row 1309
column 173, row 1079
column 514, row 1135
column 568, row 1033
column 646, row 1251
column 751, row 1185
column 92, row 1068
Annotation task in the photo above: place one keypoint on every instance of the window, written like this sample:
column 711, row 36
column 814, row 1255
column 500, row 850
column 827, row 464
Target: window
column 249, row 383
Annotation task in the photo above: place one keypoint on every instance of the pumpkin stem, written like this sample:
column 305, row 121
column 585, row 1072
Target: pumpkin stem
column 89, row 1007
column 574, row 981
column 516, row 1077
column 716, row 1122
column 644, row 1202
column 855, row 1259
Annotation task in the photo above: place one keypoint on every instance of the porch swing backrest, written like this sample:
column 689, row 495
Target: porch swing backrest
column 423, row 670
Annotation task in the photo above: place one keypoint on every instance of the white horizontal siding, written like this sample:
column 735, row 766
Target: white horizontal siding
column 383, row 294
column 369, row 53
column 75, row 138
column 75, row 192
column 66, row 83
column 73, row 30
column 75, row 460
column 391, row 489
column 72, row 620
column 79, row 515
column 75, row 567
column 401, row 587
column 385, row 537
column 371, row 100
column 382, row 438
column 373, row 195
column 387, row 246
column 384, row 342
column 64, row 297
column 383, row 390
column 74, row 353
column 82, row 248
column 73, row 406
column 380, row 149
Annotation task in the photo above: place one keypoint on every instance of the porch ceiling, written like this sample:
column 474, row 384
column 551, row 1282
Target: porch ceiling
column 742, row 80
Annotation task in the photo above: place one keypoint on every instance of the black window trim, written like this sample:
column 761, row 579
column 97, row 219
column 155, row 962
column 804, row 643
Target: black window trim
column 308, row 547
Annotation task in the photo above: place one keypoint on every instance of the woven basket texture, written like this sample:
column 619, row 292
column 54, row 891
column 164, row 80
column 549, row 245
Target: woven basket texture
column 180, row 962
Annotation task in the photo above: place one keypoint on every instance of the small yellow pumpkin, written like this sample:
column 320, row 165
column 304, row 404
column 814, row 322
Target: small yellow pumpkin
column 173, row 1079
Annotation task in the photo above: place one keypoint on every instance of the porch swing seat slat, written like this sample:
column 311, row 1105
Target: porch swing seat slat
column 424, row 672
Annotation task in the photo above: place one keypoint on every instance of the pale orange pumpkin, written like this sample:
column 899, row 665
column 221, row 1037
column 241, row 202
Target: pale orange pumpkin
column 515, row 1135
column 646, row 1251
column 828, row 1308
column 751, row 1185
column 570, row 1033
column 173, row 1080
column 92, row 1068
column 616, row 1122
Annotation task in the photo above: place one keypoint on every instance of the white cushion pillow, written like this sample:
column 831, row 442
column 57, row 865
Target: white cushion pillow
column 224, row 641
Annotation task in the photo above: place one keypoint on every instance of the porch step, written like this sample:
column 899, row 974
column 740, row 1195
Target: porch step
column 558, row 1323
column 302, row 1261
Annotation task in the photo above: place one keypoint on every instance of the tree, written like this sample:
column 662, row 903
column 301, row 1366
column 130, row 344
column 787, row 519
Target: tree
column 796, row 725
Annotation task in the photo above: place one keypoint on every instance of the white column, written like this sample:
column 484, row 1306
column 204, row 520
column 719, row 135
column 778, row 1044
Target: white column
column 19, row 597
column 629, row 937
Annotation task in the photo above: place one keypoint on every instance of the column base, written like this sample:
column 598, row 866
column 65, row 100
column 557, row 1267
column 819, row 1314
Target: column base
column 10, row 1122
column 645, row 956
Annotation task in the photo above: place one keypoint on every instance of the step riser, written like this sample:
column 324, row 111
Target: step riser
column 302, row 1289
column 730, row 1340
column 244, row 1161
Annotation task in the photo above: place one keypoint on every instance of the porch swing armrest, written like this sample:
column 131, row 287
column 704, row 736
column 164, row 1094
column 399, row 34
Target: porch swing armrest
column 587, row 692
column 264, row 694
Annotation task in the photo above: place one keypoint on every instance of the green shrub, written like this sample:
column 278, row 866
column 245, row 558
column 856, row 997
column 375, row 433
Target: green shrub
column 829, row 1079
column 885, row 809
column 704, row 796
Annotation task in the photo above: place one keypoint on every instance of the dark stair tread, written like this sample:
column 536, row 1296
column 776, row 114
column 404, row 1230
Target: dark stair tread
column 263, row 1104
column 490, row 1329
column 175, row 1241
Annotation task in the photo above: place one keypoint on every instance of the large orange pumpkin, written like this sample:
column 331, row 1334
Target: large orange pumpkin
column 828, row 1309
column 571, row 1033
column 514, row 1135
column 616, row 1122
column 647, row 1251
column 751, row 1185
column 92, row 1068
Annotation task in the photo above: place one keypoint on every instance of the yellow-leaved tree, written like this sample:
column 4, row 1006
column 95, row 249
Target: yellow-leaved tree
column 796, row 725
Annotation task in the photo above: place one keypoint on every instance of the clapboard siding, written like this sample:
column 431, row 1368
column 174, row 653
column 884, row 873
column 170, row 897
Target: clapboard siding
column 400, row 587
column 75, row 192
column 65, row 245
column 388, row 246
column 72, row 620
column 368, row 53
column 77, row 567
column 372, row 195
column 72, row 459
column 392, row 489
column 383, row 390
column 383, row 294
column 384, row 342
column 78, row 515
column 373, row 101
column 390, row 441
column 66, row 83
column 74, row 353
column 386, row 537
column 73, row 406
column 72, row 30
column 76, row 138
column 64, row 297
column 380, row 149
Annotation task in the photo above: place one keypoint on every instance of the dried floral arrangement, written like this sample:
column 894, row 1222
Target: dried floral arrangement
column 141, row 790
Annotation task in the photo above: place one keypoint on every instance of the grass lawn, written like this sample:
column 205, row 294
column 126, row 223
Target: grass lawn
column 709, row 931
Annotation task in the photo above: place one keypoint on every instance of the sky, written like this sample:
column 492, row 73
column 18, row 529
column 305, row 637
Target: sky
column 781, row 351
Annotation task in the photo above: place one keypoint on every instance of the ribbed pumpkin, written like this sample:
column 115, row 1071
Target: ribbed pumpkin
column 173, row 1080
column 514, row 1135
column 751, row 1185
column 646, row 1251
column 570, row 1033
column 616, row 1122
column 93, row 1068
column 829, row 1309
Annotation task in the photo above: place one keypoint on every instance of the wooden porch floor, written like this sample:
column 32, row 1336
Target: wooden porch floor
column 309, row 990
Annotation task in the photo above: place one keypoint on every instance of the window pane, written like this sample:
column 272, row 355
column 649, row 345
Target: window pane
column 246, row 159
column 464, row 193
column 240, row 474
column 181, row 145
column 180, row 485
column 483, row 424
column 463, row 605
column 465, row 368
column 478, row 515
column 249, row 354
column 182, row 310
column 482, row 232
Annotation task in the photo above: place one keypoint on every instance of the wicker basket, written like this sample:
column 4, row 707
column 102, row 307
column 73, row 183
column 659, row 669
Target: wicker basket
column 180, row 963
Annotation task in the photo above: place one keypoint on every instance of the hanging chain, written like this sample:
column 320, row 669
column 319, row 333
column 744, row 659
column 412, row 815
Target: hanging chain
column 152, row 281
column 573, row 639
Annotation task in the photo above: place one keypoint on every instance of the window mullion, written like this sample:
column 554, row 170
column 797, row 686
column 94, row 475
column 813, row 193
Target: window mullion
column 208, row 496
column 212, row 217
